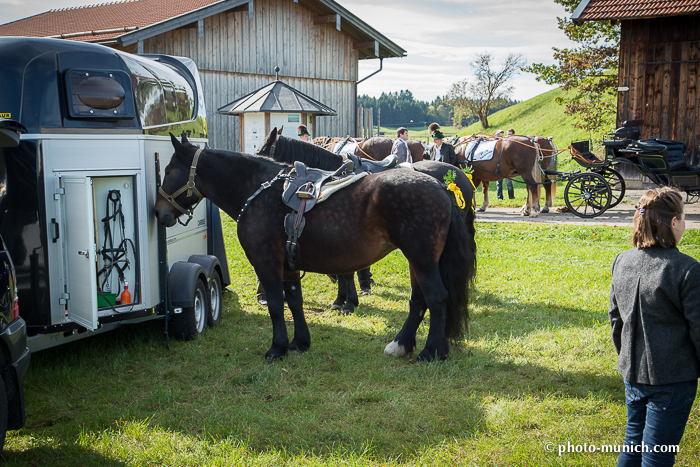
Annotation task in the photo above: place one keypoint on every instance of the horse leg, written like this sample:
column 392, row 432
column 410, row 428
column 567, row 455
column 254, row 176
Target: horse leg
column 435, row 294
column 275, row 306
column 295, row 301
column 342, row 293
column 485, row 191
column 548, row 196
column 353, row 300
column 533, row 180
column 405, row 341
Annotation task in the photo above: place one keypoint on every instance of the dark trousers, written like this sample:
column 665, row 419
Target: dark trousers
column 656, row 419
column 509, row 186
column 364, row 277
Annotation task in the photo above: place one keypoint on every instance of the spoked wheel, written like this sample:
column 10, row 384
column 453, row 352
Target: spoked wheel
column 587, row 195
column 617, row 185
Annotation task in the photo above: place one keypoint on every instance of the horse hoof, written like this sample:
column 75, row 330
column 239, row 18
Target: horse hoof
column 299, row 346
column 481, row 210
column 366, row 291
column 273, row 355
column 534, row 214
column 336, row 306
column 524, row 214
column 426, row 355
column 394, row 349
column 348, row 310
column 544, row 211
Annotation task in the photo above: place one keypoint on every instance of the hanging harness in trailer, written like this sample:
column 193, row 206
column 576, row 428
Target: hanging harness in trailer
column 114, row 257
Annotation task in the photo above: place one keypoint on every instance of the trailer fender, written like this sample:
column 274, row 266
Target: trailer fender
column 210, row 264
column 182, row 282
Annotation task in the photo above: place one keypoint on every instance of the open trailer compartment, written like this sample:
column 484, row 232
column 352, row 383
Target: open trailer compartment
column 76, row 208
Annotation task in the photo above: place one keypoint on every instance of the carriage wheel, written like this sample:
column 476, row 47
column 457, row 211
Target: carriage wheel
column 587, row 195
column 617, row 185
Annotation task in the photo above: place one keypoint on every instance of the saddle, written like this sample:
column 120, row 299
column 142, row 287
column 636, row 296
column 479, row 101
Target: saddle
column 301, row 192
column 368, row 165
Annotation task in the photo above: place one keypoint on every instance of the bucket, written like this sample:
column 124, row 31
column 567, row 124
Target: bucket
column 106, row 299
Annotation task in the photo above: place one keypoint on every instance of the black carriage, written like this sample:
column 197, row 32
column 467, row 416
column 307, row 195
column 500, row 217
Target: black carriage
column 600, row 187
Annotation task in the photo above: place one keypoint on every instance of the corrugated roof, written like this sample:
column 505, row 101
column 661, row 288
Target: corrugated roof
column 595, row 10
column 115, row 15
column 276, row 97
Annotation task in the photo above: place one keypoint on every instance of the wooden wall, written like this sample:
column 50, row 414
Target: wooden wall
column 238, row 55
column 659, row 64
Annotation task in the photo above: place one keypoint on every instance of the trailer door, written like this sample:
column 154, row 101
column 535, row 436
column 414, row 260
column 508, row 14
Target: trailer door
column 80, row 251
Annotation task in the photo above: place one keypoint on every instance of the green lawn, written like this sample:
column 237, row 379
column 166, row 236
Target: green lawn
column 537, row 371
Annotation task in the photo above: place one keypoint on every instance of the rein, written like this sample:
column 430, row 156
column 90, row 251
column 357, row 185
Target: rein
column 190, row 188
column 263, row 186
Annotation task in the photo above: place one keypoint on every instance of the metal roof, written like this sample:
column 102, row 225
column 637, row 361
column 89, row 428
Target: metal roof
column 596, row 10
column 276, row 97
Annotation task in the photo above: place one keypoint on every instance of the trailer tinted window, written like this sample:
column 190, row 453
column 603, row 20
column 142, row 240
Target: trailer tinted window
column 163, row 96
column 98, row 94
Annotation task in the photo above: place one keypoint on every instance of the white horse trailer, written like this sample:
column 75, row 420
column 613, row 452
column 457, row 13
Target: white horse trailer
column 84, row 130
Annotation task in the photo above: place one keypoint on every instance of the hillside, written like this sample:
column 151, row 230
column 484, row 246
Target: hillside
column 540, row 115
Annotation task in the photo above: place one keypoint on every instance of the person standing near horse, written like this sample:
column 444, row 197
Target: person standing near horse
column 655, row 323
column 509, row 182
column 400, row 147
column 439, row 150
column 303, row 133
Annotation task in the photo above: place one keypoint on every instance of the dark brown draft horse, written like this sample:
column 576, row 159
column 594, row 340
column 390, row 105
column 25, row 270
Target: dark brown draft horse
column 512, row 156
column 373, row 213
column 289, row 150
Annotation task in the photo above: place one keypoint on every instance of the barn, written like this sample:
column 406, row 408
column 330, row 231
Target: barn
column 659, row 72
column 236, row 45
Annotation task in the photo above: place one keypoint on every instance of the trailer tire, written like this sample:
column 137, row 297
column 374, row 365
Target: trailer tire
column 215, row 300
column 3, row 414
column 193, row 320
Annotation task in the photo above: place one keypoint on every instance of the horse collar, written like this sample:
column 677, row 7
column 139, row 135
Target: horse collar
column 189, row 187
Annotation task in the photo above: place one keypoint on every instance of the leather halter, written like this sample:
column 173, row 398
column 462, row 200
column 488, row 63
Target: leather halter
column 190, row 188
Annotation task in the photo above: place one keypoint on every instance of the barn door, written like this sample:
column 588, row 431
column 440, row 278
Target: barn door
column 80, row 251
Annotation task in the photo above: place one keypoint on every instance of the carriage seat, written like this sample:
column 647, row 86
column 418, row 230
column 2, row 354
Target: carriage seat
column 672, row 152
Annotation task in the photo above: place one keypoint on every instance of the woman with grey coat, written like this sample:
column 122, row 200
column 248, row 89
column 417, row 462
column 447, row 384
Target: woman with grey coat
column 655, row 320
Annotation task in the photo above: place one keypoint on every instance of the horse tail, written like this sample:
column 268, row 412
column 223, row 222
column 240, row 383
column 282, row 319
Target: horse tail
column 457, row 270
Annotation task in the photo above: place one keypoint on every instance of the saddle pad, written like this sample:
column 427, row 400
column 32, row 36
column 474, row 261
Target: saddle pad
column 331, row 187
column 348, row 148
column 483, row 153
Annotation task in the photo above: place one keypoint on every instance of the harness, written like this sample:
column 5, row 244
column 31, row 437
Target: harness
column 190, row 188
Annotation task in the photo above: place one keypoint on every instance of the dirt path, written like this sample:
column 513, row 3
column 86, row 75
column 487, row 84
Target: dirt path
column 621, row 215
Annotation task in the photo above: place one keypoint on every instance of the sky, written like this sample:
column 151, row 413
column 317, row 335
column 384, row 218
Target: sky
column 440, row 37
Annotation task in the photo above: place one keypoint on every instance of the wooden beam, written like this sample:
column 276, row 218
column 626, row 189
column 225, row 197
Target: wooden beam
column 250, row 9
column 200, row 28
column 328, row 19
column 367, row 45
column 140, row 47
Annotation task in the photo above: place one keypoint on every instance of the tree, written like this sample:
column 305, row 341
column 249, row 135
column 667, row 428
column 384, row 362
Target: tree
column 590, row 69
column 489, row 88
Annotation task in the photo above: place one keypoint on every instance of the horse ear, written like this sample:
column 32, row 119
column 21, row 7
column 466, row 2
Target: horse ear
column 272, row 137
column 176, row 143
column 184, row 139
column 279, row 132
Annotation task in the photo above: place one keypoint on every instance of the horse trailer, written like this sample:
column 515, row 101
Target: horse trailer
column 84, row 130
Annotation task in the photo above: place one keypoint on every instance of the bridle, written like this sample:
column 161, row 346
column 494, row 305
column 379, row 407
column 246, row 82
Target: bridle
column 190, row 188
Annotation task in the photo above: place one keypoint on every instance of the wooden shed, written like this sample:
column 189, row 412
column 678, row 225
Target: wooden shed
column 236, row 45
column 659, row 72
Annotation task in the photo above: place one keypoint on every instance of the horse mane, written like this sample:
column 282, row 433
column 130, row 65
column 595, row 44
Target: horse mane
column 290, row 150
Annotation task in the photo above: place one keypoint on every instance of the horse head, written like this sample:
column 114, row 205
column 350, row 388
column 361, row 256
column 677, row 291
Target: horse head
column 267, row 148
column 178, row 194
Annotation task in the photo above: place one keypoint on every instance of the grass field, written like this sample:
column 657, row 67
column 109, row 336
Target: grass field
column 536, row 372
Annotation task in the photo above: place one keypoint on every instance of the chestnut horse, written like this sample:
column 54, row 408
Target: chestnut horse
column 373, row 214
column 375, row 148
column 512, row 156
column 289, row 150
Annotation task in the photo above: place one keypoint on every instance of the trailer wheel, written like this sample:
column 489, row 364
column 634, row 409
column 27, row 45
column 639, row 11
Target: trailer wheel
column 215, row 300
column 193, row 320
column 3, row 414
